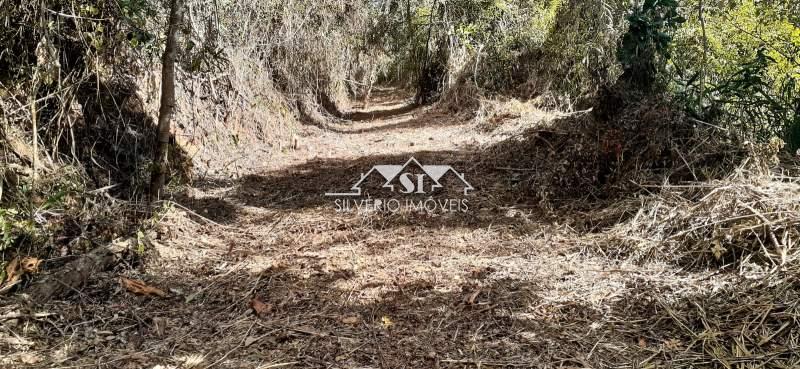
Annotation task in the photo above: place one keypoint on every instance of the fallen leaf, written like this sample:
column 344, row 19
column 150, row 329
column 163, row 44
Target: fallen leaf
column 473, row 296
column 672, row 344
column 353, row 319
column 18, row 268
column 481, row 273
column 29, row 358
column 259, row 307
column 140, row 288
column 250, row 340
column 31, row 265
column 642, row 342
column 386, row 321
column 13, row 272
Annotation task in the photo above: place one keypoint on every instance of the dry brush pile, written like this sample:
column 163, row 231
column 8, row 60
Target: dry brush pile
column 582, row 156
column 746, row 227
column 79, row 92
column 746, row 322
column 743, row 229
column 653, row 186
column 727, row 222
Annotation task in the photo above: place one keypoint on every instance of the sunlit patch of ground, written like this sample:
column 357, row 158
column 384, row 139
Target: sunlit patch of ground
column 502, row 285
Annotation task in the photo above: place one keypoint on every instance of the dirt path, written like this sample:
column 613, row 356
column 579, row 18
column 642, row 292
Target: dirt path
column 497, row 286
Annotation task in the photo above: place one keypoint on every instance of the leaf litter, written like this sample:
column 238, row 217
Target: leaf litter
column 288, row 282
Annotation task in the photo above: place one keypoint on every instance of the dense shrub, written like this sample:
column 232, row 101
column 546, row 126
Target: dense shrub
column 738, row 64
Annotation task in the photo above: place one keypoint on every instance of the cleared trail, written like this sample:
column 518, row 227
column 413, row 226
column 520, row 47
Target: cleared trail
column 497, row 286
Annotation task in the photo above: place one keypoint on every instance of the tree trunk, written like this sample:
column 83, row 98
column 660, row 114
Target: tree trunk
column 430, row 33
column 424, row 83
column 161, row 158
column 705, row 53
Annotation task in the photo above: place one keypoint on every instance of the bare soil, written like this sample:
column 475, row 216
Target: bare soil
column 503, row 285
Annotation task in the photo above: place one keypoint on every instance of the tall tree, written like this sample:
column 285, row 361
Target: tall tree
column 167, row 102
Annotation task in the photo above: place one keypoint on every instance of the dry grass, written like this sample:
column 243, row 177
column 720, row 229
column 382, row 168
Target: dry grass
column 749, row 324
column 745, row 227
column 721, row 223
column 510, row 284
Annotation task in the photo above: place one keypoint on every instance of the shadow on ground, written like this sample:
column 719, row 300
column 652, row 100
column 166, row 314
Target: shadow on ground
column 305, row 187
column 381, row 113
column 498, row 186
column 572, row 164
column 314, row 322
column 406, row 117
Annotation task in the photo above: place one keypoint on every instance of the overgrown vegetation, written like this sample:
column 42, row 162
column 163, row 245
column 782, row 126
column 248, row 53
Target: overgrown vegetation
column 659, row 130
column 70, row 71
column 79, row 95
column 737, row 64
column 730, row 64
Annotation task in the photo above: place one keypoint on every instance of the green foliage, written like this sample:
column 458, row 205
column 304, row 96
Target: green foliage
column 15, row 226
column 140, row 243
column 508, row 33
column 8, row 225
column 741, row 69
column 85, row 33
column 765, row 107
column 33, row 210
column 645, row 47
column 481, row 38
column 579, row 52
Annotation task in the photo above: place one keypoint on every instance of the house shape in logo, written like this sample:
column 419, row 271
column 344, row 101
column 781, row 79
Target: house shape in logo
column 390, row 172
